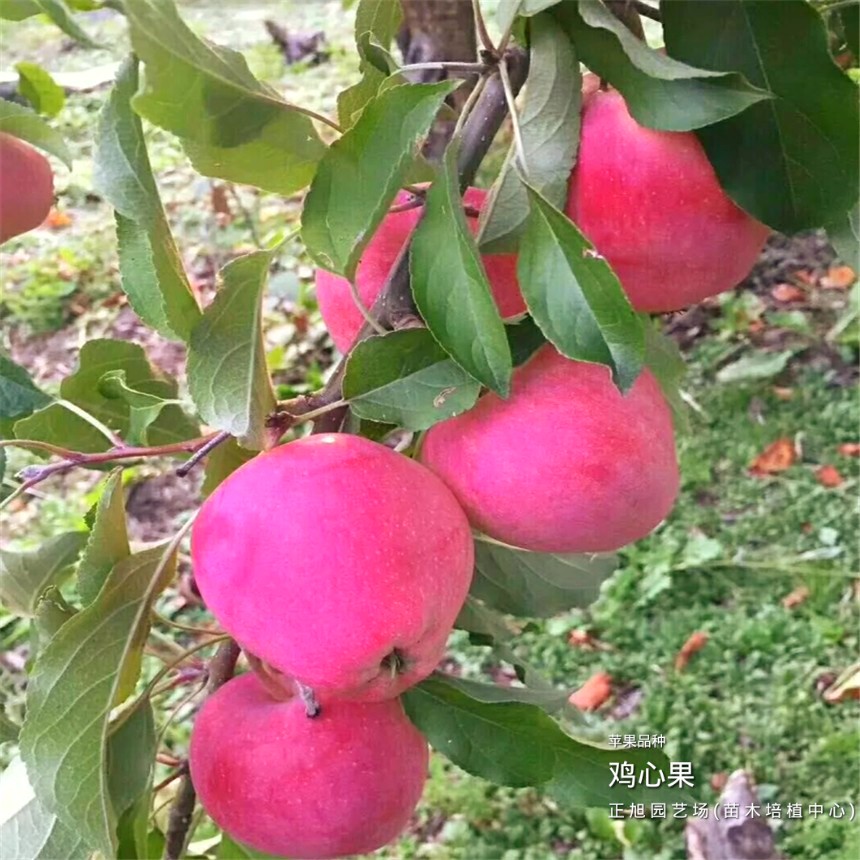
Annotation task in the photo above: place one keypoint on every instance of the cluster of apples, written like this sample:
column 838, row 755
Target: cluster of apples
column 26, row 187
column 341, row 565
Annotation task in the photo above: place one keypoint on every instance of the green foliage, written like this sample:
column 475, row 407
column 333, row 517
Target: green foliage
column 227, row 373
column 575, row 297
column 549, row 125
column 451, row 289
column 27, row 125
column 152, row 273
column 231, row 125
column 405, row 378
column 660, row 92
column 55, row 10
column 792, row 161
column 536, row 584
column 18, row 395
column 362, row 171
column 40, row 89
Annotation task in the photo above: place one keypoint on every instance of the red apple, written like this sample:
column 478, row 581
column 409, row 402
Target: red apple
column 337, row 561
column 26, row 187
column 651, row 204
column 566, row 464
column 338, row 309
column 345, row 782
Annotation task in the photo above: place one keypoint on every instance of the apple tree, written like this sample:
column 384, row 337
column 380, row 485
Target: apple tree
column 500, row 421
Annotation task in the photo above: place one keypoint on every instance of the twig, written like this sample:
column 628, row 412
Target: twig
column 181, row 768
column 221, row 669
column 358, row 301
column 481, row 27
column 202, row 452
column 467, row 108
column 464, row 68
column 650, row 11
column 252, row 224
column 515, row 120
column 625, row 11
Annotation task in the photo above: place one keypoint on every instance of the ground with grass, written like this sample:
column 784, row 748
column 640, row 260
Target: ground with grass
column 763, row 565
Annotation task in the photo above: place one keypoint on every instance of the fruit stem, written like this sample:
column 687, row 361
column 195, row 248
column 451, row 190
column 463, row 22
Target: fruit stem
column 307, row 695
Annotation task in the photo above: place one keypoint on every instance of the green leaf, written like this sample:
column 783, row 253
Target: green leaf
column 550, row 701
column 535, row 583
column 575, row 297
column 133, row 831
column 153, row 276
column 76, row 681
column 380, row 18
column 360, row 174
column 451, row 289
column 664, row 360
column 40, row 89
column 18, row 395
column 144, row 408
column 25, row 575
column 60, row 426
column 755, row 365
column 55, row 10
column 517, row 744
column 28, row 831
column 131, row 753
column 8, row 729
column 18, row 10
column 549, row 126
column 227, row 374
column 844, row 235
column 108, row 540
column 222, row 462
column 27, row 125
column 230, row 850
column 792, row 162
column 231, row 125
column 406, row 378
column 660, row 92
column 524, row 339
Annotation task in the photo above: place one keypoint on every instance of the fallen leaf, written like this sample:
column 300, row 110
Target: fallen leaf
column 695, row 643
column 828, row 476
column 57, row 220
column 719, row 780
column 845, row 687
column 220, row 203
column 777, row 457
column 755, row 327
column 839, row 278
column 593, row 693
column 783, row 393
column 796, row 597
column 788, row 293
column 805, row 277
column 850, row 449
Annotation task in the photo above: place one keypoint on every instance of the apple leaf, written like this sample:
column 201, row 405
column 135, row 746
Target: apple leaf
column 18, row 395
column 8, row 729
column 792, row 161
column 406, row 378
column 230, row 850
column 664, row 360
column 144, row 408
column 844, row 235
column 227, row 374
column 231, row 125
column 360, row 174
column 575, row 297
column 377, row 20
column 24, row 576
column 524, row 339
column 108, row 540
column 755, row 366
column 660, row 92
column 28, row 831
column 222, row 462
column 27, row 125
column 88, row 667
column 153, row 276
column 131, row 754
column 534, row 583
column 40, row 89
column 550, row 701
column 517, row 744
column 59, row 425
column 52, row 612
column 549, row 125
column 55, row 10
column 451, row 289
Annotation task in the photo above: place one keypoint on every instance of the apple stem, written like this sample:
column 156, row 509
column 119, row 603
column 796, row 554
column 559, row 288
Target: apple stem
column 307, row 695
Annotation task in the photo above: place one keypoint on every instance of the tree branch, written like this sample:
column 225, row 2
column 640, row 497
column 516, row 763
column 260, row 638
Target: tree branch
column 221, row 668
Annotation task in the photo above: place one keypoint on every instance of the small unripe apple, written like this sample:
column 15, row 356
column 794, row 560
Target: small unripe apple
column 26, row 187
column 652, row 205
column 565, row 464
column 337, row 307
column 337, row 561
column 345, row 782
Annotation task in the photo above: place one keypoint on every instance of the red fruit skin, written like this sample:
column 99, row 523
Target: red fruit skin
column 26, row 187
column 338, row 309
column 651, row 204
column 345, row 782
column 566, row 464
column 326, row 555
